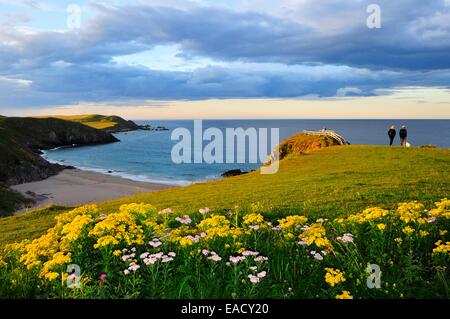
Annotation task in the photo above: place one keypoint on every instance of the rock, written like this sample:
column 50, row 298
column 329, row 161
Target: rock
column 22, row 139
column 233, row 172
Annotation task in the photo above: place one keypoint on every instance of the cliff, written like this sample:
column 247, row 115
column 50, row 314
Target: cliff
column 21, row 140
column 107, row 123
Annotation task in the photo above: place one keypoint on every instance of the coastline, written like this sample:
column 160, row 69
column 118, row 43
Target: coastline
column 73, row 187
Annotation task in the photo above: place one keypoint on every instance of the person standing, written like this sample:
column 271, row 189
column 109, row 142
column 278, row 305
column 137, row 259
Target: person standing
column 403, row 135
column 391, row 134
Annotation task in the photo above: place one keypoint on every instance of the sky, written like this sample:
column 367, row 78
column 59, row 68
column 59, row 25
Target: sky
column 180, row 59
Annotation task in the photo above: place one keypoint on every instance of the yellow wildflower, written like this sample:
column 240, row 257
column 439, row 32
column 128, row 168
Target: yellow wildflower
column 334, row 276
column 292, row 221
column 423, row 233
column 252, row 219
column 381, row 226
column 316, row 234
column 442, row 248
column 408, row 230
column 344, row 295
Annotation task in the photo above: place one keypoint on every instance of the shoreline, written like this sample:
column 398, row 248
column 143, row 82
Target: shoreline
column 74, row 187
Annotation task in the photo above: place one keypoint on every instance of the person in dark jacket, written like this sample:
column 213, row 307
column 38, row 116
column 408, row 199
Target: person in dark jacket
column 403, row 134
column 391, row 134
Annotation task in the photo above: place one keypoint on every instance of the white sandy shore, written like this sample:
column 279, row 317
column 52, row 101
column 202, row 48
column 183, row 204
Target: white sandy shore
column 74, row 187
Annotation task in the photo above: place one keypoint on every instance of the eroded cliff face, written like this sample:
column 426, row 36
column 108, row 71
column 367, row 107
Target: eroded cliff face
column 21, row 140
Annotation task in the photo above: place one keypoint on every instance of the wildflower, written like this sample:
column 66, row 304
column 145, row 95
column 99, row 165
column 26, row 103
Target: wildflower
column 133, row 250
column 171, row 254
column 254, row 279
column 442, row 248
column 253, row 219
column 117, row 253
column 334, row 276
column 317, row 256
column 103, row 277
column 408, row 230
column 144, row 255
column 215, row 257
column 398, row 240
column 344, row 295
column 185, row 220
column 205, row 252
column 261, row 259
column 166, row 259
column 249, row 253
column 381, row 226
column 133, row 266
column 431, row 219
column 303, row 242
column 289, row 235
column 165, row 211
column 203, row 211
column 443, row 232
column 202, row 234
column 316, row 234
column 423, row 233
column 262, row 274
column 150, row 261
column 346, row 238
column 155, row 243
column 254, row 227
column 254, row 268
column 236, row 259
column 126, row 271
column 292, row 221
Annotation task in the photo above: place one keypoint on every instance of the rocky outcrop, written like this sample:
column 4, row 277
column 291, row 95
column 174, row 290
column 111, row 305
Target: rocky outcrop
column 22, row 139
column 233, row 172
column 300, row 143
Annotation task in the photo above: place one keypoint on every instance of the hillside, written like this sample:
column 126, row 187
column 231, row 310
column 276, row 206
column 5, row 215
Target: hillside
column 21, row 140
column 331, row 182
column 108, row 123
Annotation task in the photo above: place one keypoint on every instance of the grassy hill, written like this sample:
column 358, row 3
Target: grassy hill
column 110, row 123
column 333, row 181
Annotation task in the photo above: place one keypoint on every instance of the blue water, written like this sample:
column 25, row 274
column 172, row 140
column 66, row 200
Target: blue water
column 146, row 155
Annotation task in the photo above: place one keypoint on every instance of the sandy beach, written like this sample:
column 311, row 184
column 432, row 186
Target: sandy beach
column 74, row 187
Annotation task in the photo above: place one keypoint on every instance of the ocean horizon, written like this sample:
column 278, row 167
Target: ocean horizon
column 146, row 155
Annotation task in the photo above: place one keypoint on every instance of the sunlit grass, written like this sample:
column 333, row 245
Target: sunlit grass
column 331, row 182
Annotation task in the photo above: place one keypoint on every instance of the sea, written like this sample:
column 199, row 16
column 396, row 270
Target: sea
column 147, row 155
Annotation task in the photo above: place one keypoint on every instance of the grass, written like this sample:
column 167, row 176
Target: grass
column 11, row 200
column 28, row 225
column 330, row 182
column 101, row 122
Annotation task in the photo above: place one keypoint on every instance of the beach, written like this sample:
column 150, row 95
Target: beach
column 73, row 187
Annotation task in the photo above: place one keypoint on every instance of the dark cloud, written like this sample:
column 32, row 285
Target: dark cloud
column 411, row 48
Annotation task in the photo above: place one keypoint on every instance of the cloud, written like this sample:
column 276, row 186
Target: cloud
column 257, row 48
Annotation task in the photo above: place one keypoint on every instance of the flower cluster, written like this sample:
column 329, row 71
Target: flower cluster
column 137, row 242
column 334, row 276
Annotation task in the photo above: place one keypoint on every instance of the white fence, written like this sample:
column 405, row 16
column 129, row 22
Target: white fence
column 332, row 134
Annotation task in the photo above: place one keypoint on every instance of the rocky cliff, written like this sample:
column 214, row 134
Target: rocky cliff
column 21, row 140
